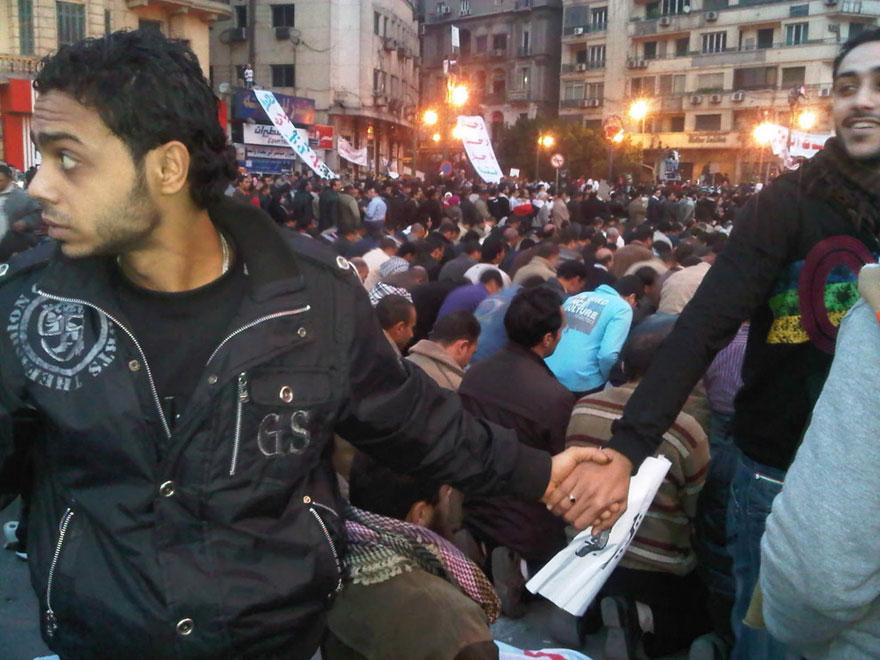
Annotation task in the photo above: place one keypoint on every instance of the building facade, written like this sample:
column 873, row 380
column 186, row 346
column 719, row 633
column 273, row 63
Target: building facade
column 709, row 70
column 352, row 62
column 31, row 29
column 508, row 55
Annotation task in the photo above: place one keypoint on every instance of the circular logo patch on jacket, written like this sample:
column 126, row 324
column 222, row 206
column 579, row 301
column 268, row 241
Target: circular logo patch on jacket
column 57, row 343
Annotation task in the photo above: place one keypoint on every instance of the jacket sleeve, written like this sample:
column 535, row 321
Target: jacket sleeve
column 613, row 339
column 398, row 415
column 820, row 569
column 737, row 284
column 12, row 451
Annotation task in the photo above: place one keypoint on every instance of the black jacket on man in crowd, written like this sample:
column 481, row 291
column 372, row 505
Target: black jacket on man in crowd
column 219, row 537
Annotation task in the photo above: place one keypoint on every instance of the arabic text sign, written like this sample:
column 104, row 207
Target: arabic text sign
column 286, row 128
column 268, row 136
column 479, row 148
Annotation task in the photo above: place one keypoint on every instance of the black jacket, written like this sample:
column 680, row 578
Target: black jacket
column 789, row 256
column 221, row 539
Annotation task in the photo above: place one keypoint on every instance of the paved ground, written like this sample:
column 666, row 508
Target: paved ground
column 542, row 627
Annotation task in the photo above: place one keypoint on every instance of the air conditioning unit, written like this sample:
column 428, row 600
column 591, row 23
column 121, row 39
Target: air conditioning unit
column 716, row 98
column 711, row 16
column 236, row 34
column 580, row 66
column 665, row 21
column 282, row 33
column 738, row 97
column 592, row 103
column 696, row 99
column 825, row 92
column 578, row 30
column 749, row 44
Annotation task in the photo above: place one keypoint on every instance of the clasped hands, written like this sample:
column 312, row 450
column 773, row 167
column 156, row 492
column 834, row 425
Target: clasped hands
column 588, row 487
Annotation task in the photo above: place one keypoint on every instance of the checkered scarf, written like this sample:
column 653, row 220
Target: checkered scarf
column 380, row 548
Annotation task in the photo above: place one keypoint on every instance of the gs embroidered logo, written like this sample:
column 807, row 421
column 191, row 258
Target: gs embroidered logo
column 55, row 346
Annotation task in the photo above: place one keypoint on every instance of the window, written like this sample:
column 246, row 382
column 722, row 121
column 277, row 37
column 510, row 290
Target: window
column 282, row 15
column 241, row 16
column 714, row 42
column 384, row 26
column 676, row 124
column 464, row 8
column 650, row 50
column 596, row 90
column 666, row 7
column 499, row 86
column 526, row 37
column 283, row 75
column 573, row 92
column 395, row 89
column 593, row 124
column 596, row 56
column 71, row 22
column 710, row 82
column 26, row 27
column 799, row 10
column 524, row 78
column 672, row 84
column 581, row 57
column 765, row 38
column 793, row 76
column 575, row 16
column 856, row 29
column 145, row 24
column 377, row 22
column 481, row 43
column 761, row 77
column 796, row 33
column 599, row 18
column 499, row 42
column 682, row 46
column 707, row 123
column 643, row 86
column 378, row 81
column 715, row 4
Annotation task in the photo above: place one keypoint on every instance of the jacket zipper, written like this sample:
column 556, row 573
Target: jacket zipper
column 764, row 477
column 255, row 322
column 327, row 536
column 134, row 340
column 243, row 398
column 51, row 619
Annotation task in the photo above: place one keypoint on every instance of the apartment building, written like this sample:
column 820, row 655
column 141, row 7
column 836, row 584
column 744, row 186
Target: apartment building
column 341, row 68
column 508, row 55
column 30, row 29
column 710, row 71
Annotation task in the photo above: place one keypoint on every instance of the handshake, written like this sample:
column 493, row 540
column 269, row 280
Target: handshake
column 588, row 487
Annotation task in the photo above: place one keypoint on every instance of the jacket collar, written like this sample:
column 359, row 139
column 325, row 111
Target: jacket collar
column 434, row 351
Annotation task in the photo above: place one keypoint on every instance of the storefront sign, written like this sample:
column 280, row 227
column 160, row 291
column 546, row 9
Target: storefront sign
column 268, row 136
column 713, row 138
column 300, row 110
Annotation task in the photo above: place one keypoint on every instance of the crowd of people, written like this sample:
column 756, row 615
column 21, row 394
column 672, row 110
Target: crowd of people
column 359, row 414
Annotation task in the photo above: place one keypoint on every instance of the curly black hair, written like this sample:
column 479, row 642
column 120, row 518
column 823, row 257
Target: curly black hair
column 148, row 90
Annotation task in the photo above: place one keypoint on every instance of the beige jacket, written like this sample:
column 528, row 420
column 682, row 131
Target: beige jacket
column 537, row 266
column 434, row 361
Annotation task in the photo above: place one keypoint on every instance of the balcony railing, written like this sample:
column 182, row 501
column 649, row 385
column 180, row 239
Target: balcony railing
column 19, row 64
column 582, row 30
column 582, row 67
column 757, row 54
column 524, row 51
column 518, row 95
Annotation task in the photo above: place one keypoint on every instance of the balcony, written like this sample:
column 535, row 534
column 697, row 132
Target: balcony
column 571, row 103
column 524, row 51
column 494, row 98
column 740, row 56
column 582, row 67
column 515, row 95
column 642, row 27
column 24, row 66
column 577, row 32
column 211, row 9
column 867, row 8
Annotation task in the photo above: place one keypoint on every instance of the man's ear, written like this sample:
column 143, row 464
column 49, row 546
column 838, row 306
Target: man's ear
column 420, row 513
column 167, row 167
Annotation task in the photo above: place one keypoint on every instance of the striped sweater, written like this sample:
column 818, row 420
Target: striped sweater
column 663, row 542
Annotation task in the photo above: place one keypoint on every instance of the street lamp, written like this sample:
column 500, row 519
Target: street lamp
column 456, row 132
column 436, row 137
column 430, row 117
column 639, row 110
column 547, row 141
column 762, row 135
column 807, row 120
column 459, row 95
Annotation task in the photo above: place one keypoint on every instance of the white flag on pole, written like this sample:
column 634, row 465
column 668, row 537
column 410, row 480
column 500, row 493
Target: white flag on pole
column 478, row 147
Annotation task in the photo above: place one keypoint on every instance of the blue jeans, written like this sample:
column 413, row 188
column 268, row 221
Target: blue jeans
column 710, row 540
column 752, row 492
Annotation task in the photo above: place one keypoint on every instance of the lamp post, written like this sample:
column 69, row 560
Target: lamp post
column 762, row 135
column 546, row 141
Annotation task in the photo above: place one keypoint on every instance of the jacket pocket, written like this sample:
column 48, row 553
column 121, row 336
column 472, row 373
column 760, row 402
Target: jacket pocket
column 317, row 511
column 51, row 620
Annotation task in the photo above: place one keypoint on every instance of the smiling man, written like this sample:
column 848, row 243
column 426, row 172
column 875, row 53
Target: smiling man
column 790, row 267
column 191, row 362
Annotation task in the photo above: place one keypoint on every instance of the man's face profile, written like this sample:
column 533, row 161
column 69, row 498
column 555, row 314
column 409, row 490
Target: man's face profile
column 856, row 108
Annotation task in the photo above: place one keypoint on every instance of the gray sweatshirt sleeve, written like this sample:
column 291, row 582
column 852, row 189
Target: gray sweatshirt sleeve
column 820, row 565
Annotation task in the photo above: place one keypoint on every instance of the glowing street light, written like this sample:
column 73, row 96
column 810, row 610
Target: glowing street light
column 763, row 133
column 436, row 137
column 546, row 141
column 639, row 110
column 618, row 137
column 456, row 133
column 459, row 95
column 430, row 117
column 807, row 120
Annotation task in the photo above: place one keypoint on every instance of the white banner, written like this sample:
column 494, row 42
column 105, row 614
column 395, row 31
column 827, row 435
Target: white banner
column 352, row 155
column 573, row 578
column 286, row 128
column 803, row 145
column 479, row 148
column 268, row 136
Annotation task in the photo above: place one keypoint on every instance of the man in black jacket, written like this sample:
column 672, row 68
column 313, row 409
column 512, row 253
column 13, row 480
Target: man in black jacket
column 191, row 362
column 789, row 266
